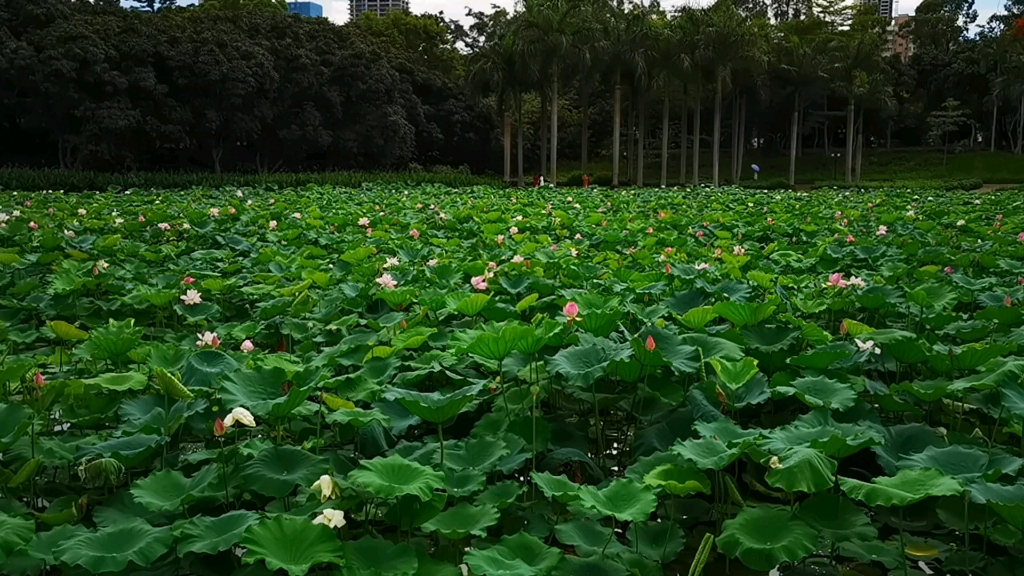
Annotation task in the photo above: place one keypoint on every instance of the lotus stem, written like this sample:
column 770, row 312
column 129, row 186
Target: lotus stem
column 440, row 437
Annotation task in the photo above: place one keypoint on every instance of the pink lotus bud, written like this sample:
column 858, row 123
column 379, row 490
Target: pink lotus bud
column 650, row 344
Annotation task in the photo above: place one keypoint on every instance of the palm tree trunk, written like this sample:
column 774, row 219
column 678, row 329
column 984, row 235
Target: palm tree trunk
column 584, row 125
column 640, row 142
column 793, row 128
column 683, row 142
column 742, row 141
column 995, row 117
column 554, row 126
column 508, row 147
column 1020, row 127
column 543, row 134
column 616, row 129
column 849, row 141
column 519, row 130
column 860, row 143
column 716, row 146
column 664, row 142
column 733, row 172
column 696, row 138
column 630, row 118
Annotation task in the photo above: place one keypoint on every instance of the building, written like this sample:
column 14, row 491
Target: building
column 884, row 7
column 379, row 7
column 898, row 39
column 307, row 9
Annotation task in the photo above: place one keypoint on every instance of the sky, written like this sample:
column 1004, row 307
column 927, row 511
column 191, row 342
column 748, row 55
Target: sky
column 337, row 10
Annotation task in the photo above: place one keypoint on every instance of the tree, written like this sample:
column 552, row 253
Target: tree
column 944, row 121
column 152, row 5
column 799, row 58
column 265, row 6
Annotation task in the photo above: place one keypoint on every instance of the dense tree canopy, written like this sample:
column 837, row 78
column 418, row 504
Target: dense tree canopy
column 237, row 85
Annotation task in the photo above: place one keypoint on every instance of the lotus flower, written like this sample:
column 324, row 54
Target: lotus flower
column 297, row 215
column 738, row 251
column 39, row 380
column 700, row 234
column 241, row 416
column 247, row 346
column 1007, row 302
column 948, row 270
column 415, row 234
column 774, row 463
column 273, row 224
column 369, row 231
column 327, row 488
column 432, row 262
column 882, row 231
column 513, row 231
column 650, row 230
column 208, row 339
column 82, row 212
column 118, row 221
column 500, row 239
column 1020, row 237
column 219, row 429
column 391, row 261
column 386, row 281
column 239, row 193
column 214, row 212
column 571, row 311
column 16, row 213
column 192, row 297
column 232, row 211
column 702, row 266
column 69, row 233
column 33, row 226
column 770, row 221
column 868, row 346
column 331, row 518
column 668, row 269
column 836, row 280
column 272, row 201
column 142, row 218
column 164, row 226
column 650, row 345
column 661, row 215
column 479, row 282
column 961, row 222
column 102, row 264
column 28, row 203
column 188, row 280
column 517, row 259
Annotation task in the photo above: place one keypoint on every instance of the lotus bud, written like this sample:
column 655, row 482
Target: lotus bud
column 219, row 429
column 39, row 380
column 650, row 345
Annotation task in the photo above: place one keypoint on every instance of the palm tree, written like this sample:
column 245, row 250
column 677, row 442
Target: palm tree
column 798, row 53
column 621, row 51
column 670, row 64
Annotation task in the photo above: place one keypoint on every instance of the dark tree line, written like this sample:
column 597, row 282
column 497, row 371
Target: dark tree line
column 88, row 85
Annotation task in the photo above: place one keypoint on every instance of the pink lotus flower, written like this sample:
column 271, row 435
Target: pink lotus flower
column 718, row 253
column 479, row 282
column 1020, row 281
column 650, row 230
column 836, row 280
column 513, row 231
column 492, row 265
column 871, row 204
column 273, row 224
column 386, row 281
column 882, row 231
column 33, row 226
column 650, row 345
column 571, row 311
column 850, row 239
column 948, row 270
column 661, row 215
column 247, row 346
column 188, row 280
column 164, row 226
column 668, row 269
column 39, row 380
column 214, row 212
column 578, row 236
column 770, row 221
column 142, row 218
column 272, row 201
column 517, row 259
column 28, row 203
column 1020, row 237
column 49, row 211
column 700, row 234
column 415, row 234
column 554, row 246
column 369, row 231
column 706, row 224
column 1000, row 217
column 1007, row 302
column 232, row 211
column 500, row 239
column 838, row 214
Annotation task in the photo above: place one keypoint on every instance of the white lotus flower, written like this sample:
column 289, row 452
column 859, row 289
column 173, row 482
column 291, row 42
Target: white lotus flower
column 242, row 416
column 81, row 212
column 4, row 217
column 868, row 346
column 69, row 233
column 332, row 518
column 102, row 264
column 392, row 261
column 192, row 297
column 364, row 222
column 207, row 339
column 327, row 488
column 702, row 266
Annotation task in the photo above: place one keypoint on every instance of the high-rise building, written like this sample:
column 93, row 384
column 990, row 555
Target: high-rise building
column 307, row 9
column 379, row 7
column 884, row 7
column 899, row 40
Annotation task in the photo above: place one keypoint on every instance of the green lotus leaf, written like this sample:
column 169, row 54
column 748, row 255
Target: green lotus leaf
column 872, row 551
column 709, row 453
column 502, row 494
column 130, row 450
column 497, row 347
column 770, row 338
column 658, row 541
column 435, row 407
column 15, row 420
column 713, row 347
column 462, row 520
column 588, row 537
column 170, row 385
column 463, row 483
column 697, row 318
column 43, row 543
column 573, row 566
column 521, row 554
column 582, row 365
column 802, row 470
column 744, row 314
column 14, row 533
column 169, row 490
column 205, row 367
column 291, row 543
column 114, row 341
column 903, row 441
column 823, row 357
column 120, row 381
column 558, row 487
column 395, row 476
column 678, row 480
column 278, row 470
column 626, row 500
column 735, row 374
column 113, row 548
column 411, row 512
column 261, row 391
column 481, row 454
column 209, row 535
column 836, row 518
column 905, row 488
column 725, row 430
column 373, row 556
column 821, row 391
column 357, row 417
column 763, row 537
column 965, row 463
column 67, row 332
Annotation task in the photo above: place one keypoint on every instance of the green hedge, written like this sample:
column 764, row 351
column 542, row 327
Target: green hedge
column 945, row 184
column 71, row 181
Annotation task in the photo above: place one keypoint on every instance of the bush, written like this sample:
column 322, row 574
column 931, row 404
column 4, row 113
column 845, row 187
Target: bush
column 766, row 184
column 949, row 184
column 74, row 181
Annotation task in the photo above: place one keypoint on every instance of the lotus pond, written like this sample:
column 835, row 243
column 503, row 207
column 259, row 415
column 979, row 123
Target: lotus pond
column 429, row 381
